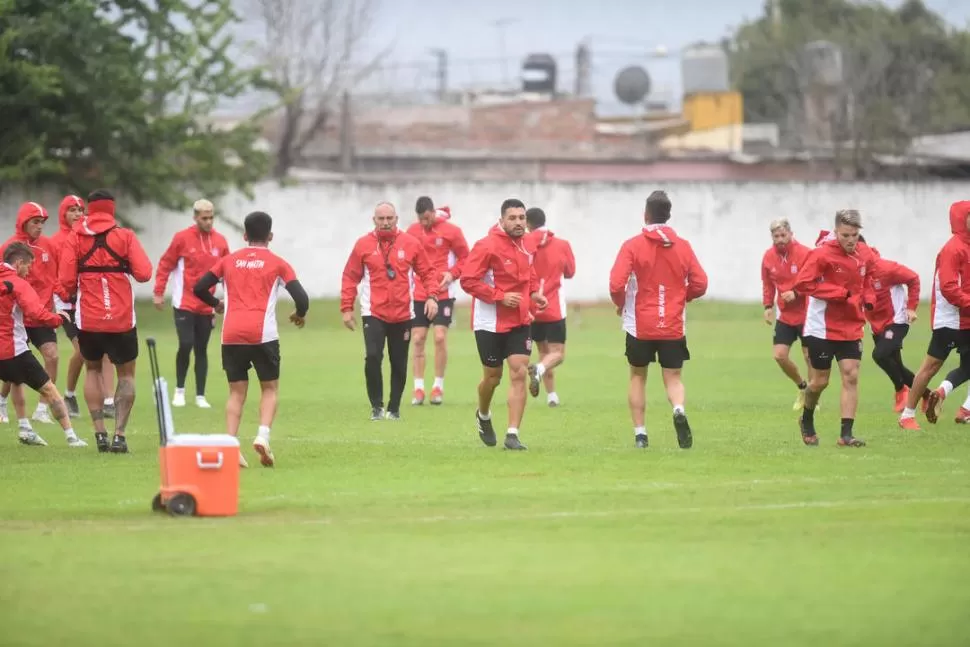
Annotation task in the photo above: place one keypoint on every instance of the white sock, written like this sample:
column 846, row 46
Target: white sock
column 41, row 407
column 552, row 397
column 179, row 391
column 679, row 408
column 109, row 402
column 485, row 416
column 263, row 432
column 439, row 383
column 512, row 431
column 947, row 387
column 966, row 403
column 540, row 369
column 24, row 423
column 639, row 431
column 3, row 402
column 68, row 394
column 419, row 383
column 908, row 413
column 69, row 433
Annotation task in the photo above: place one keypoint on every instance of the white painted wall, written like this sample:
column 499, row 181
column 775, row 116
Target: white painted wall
column 316, row 224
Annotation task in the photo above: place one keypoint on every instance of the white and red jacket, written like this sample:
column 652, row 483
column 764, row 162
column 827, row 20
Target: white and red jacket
column 446, row 248
column 836, row 284
column 892, row 290
column 189, row 256
column 59, row 240
column 388, row 299
column 499, row 264
column 950, row 303
column 96, row 270
column 19, row 302
column 655, row 275
column 43, row 272
column 554, row 261
column 779, row 269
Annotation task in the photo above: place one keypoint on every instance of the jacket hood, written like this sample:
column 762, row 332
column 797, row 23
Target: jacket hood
column 100, row 218
column 68, row 202
column 27, row 211
column 443, row 213
column 958, row 219
column 6, row 271
column 661, row 235
column 542, row 236
column 823, row 237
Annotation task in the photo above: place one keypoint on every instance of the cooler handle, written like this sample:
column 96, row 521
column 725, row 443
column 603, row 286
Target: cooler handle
column 203, row 465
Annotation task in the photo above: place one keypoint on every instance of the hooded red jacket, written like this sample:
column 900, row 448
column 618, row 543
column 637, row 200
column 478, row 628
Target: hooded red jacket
column 18, row 304
column 445, row 245
column 779, row 269
column 950, row 303
column 381, row 296
column 189, row 256
column 836, row 284
column 43, row 273
column 105, row 300
column 892, row 290
column 655, row 275
column 60, row 239
column 498, row 264
column 554, row 261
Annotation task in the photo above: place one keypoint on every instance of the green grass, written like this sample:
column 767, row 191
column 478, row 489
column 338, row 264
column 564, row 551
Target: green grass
column 413, row 533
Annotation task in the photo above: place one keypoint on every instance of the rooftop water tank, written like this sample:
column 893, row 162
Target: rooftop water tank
column 539, row 74
column 704, row 68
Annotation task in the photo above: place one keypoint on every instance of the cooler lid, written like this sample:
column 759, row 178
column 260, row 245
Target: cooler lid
column 203, row 440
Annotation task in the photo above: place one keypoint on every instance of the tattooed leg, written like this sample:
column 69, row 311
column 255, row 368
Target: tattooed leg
column 124, row 396
column 93, row 394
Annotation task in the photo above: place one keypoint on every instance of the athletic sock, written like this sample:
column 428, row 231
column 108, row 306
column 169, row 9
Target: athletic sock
column 540, row 369
column 109, row 402
column 484, row 416
column 512, row 431
column 966, row 403
column 68, row 394
column 41, row 408
column 69, row 433
column 439, row 383
column 808, row 416
column 263, row 432
column 679, row 409
column 847, row 427
column 24, row 424
column 553, row 397
column 419, row 383
column 947, row 387
column 908, row 413
column 639, row 431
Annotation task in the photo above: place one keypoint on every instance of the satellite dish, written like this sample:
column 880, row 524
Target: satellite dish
column 632, row 85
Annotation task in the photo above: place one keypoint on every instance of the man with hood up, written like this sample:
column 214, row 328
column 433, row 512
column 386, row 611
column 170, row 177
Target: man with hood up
column 655, row 275
column 96, row 270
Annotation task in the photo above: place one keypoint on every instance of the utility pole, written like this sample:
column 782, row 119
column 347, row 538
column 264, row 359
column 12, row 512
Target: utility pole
column 501, row 24
column 442, row 57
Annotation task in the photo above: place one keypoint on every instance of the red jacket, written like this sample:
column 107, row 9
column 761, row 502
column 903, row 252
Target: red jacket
column 496, row 265
column 189, row 256
column 43, row 273
column 381, row 296
column 60, row 240
column 18, row 304
column 446, row 249
column 554, row 261
column 950, row 303
column 105, row 301
column 835, row 283
column 892, row 290
column 779, row 268
column 655, row 275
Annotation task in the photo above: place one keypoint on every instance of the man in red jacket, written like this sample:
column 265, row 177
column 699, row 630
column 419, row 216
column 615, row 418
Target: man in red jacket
column 834, row 278
column 655, row 275
column 379, row 264
column 949, row 316
column 779, row 267
column 446, row 248
column 192, row 252
column 500, row 277
column 19, row 302
column 96, row 271
column 554, row 261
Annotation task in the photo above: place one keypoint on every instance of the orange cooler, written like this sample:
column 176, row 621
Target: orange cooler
column 200, row 475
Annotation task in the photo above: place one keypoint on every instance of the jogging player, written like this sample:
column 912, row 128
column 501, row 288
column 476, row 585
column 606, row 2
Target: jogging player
column 500, row 276
column 19, row 302
column 192, row 252
column 655, row 275
column 96, row 270
column 379, row 266
column 445, row 245
column 554, row 261
column 250, row 335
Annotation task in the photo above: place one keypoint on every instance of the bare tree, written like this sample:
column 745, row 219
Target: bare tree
column 314, row 51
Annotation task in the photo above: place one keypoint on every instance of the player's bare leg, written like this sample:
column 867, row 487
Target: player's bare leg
column 94, row 398
column 59, row 411
column 234, row 409
column 637, row 399
column 551, row 355
column 674, row 386
column 806, row 423
column 108, row 387
column 268, row 403
column 74, row 366
column 49, row 352
column 518, row 373
column 419, row 338
column 124, row 401
column 927, row 371
column 849, row 370
column 440, row 363
column 491, row 378
column 782, row 355
column 4, row 394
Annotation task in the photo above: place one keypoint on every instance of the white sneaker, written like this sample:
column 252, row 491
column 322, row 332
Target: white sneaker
column 74, row 441
column 552, row 402
column 242, row 461
column 201, row 402
column 178, row 400
column 261, row 446
column 42, row 416
column 30, row 437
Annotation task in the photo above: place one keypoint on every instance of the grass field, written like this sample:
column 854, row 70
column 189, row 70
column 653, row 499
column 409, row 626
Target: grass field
column 414, row 533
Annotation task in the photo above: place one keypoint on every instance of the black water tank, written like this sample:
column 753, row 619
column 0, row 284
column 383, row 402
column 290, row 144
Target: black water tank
column 539, row 74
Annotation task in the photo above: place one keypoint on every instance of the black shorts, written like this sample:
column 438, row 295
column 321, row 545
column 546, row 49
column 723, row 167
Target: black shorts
column 892, row 337
column 237, row 359
column 70, row 328
column 821, row 352
column 495, row 347
column 670, row 353
column 945, row 340
column 120, row 347
column 786, row 334
column 24, row 369
column 553, row 332
column 191, row 327
column 41, row 335
column 446, row 310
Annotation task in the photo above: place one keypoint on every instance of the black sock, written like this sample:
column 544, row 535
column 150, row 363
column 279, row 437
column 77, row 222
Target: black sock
column 808, row 415
column 847, row 427
column 803, row 385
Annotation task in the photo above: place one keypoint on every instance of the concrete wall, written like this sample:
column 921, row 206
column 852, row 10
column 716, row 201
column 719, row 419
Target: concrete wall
column 316, row 224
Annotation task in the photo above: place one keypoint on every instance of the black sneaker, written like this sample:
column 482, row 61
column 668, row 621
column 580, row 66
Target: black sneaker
column 512, row 442
column 809, row 437
column 392, row 415
column 119, row 445
column 102, row 441
column 684, row 437
column 486, row 431
column 72, row 407
column 533, row 381
column 642, row 441
column 109, row 411
column 377, row 413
